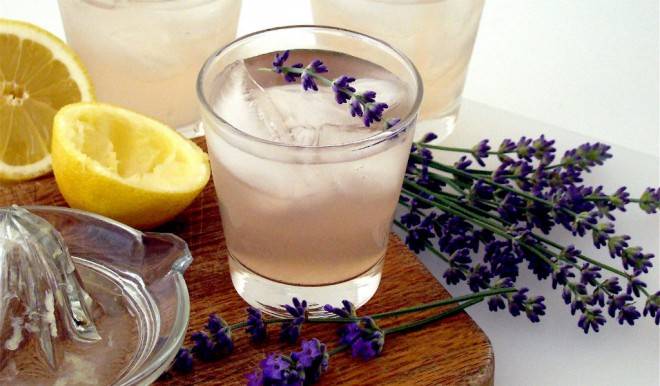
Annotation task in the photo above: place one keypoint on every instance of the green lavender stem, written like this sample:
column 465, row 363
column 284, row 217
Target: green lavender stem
column 417, row 324
column 423, row 322
column 400, row 311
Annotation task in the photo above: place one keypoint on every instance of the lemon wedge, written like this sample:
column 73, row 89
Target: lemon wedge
column 38, row 75
column 123, row 165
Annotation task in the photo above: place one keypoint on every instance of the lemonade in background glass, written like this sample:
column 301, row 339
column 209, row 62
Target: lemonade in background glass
column 145, row 54
column 438, row 35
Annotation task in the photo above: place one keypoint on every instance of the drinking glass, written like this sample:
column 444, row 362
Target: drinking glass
column 145, row 54
column 438, row 35
column 305, row 216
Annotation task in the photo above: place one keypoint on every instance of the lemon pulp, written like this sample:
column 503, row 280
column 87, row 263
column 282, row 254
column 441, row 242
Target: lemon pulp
column 124, row 165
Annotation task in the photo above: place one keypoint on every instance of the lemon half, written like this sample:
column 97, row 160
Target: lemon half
column 125, row 166
column 38, row 75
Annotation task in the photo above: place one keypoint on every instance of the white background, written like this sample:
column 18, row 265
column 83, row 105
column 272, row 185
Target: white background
column 577, row 70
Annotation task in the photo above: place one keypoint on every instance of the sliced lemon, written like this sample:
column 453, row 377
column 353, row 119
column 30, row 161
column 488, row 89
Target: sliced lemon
column 38, row 75
column 123, row 165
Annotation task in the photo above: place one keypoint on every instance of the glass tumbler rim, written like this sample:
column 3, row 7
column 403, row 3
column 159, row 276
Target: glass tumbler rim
column 394, row 131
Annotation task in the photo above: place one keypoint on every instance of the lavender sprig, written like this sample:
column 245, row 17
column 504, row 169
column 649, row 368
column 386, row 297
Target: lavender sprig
column 362, row 104
column 361, row 334
column 515, row 206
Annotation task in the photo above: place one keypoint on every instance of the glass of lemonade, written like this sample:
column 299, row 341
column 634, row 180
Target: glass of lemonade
column 307, row 193
column 145, row 54
column 438, row 35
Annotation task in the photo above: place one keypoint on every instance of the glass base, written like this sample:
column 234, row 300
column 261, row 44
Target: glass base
column 270, row 296
column 442, row 126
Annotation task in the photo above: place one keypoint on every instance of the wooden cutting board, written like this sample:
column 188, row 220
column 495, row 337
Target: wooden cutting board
column 454, row 351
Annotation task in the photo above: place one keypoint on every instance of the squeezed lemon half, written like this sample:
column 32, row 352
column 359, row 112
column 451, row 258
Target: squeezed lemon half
column 125, row 166
column 38, row 75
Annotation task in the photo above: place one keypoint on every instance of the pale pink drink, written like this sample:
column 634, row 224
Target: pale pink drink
column 306, row 192
column 145, row 54
column 437, row 35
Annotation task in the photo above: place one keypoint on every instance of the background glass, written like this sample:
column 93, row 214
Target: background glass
column 145, row 55
column 438, row 35
column 306, row 221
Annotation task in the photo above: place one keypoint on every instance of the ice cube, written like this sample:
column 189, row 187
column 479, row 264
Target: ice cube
column 240, row 101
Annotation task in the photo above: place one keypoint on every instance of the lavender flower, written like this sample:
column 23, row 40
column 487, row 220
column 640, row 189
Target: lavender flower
column 480, row 151
column 628, row 313
column 314, row 359
column 342, row 89
column 649, row 201
column 216, row 345
column 183, row 361
column 373, row 113
column 369, row 341
column 256, row 327
column 463, row 163
column 347, row 311
column 428, row 137
column 279, row 61
column 308, row 81
column 533, row 307
column 591, row 319
column 291, row 329
column 524, row 149
column 303, row 367
column 651, row 307
column 277, row 370
column 543, row 150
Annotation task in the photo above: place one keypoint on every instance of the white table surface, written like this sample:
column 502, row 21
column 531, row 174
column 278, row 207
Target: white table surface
column 589, row 67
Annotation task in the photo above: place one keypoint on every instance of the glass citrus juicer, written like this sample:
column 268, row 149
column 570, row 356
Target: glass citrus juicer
column 85, row 300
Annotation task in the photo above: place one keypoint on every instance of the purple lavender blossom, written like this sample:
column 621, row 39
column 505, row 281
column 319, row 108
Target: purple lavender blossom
column 373, row 113
column 363, row 104
column 480, row 151
column 479, row 278
column 463, row 163
column 532, row 307
column 256, row 327
column 649, row 201
column 291, row 329
column 183, row 361
column 589, row 274
column 524, row 149
column 651, row 307
column 543, row 150
column 591, row 319
column 369, row 342
column 308, row 80
column 314, row 358
column 635, row 286
column 280, row 59
column 458, row 265
column 628, row 313
column 429, row 137
column 277, row 370
column 615, row 303
column 342, row 89
column 216, row 345
column 601, row 233
column 203, row 346
column 347, row 311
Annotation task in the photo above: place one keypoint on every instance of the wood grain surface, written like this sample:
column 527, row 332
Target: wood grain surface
column 453, row 351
